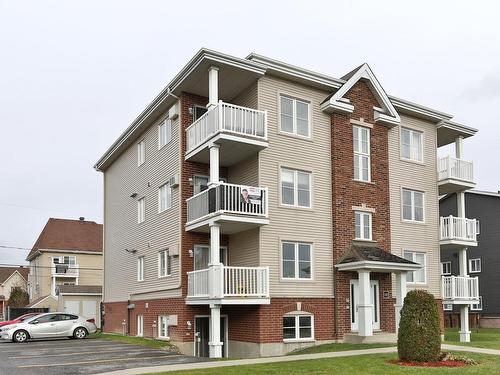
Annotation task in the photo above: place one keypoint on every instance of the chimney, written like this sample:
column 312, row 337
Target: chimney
column 81, row 218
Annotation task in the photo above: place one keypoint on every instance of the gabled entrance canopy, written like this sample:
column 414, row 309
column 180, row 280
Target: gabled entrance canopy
column 336, row 102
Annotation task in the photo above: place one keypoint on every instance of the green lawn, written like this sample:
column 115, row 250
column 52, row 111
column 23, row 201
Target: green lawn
column 364, row 364
column 485, row 338
column 157, row 344
column 338, row 347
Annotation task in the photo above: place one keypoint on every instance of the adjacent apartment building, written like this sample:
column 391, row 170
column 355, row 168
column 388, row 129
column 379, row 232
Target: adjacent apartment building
column 482, row 259
column 66, row 267
column 11, row 277
column 255, row 207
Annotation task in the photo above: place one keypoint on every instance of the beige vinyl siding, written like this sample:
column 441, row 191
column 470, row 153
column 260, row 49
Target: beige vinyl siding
column 244, row 248
column 422, row 177
column 159, row 230
column 306, row 225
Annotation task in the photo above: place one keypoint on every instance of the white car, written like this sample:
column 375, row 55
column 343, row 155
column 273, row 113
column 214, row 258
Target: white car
column 49, row 325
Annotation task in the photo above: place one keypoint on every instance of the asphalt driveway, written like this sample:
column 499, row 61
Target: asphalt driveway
column 89, row 356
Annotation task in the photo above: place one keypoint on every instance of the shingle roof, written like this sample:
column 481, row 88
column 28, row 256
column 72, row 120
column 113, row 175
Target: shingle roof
column 359, row 252
column 5, row 272
column 38, row 300
column 80, row 289
column 65, row 234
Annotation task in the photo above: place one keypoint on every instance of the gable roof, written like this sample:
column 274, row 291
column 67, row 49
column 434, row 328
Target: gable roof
column 39, row 300
column 68, row 235
column 336, row 102
column 6, row 273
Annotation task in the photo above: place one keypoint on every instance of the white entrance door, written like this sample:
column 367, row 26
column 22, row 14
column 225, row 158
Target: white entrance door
column 374, row 300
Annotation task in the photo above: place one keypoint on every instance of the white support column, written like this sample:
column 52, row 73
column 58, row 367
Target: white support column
column 462, row 261
column 461, row 204
column 215, row 271
column 213, row 86
column 400, row 295
column 215, row 343
column 464, row 323
column 365, row 313
column 459, row 147
column 214, row 164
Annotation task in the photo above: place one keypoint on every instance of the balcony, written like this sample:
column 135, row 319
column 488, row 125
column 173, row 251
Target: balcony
column 65, row 270
column 460, row 290
column 454, row 175
column 240, row 132
column 221, row 284
column 226, row 204
column 457, row 232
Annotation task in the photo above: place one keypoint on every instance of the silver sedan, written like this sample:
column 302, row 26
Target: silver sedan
column 49, row 325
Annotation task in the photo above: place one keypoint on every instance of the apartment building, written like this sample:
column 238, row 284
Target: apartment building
column 67, row 256
column 10, row 277
column 255, row 207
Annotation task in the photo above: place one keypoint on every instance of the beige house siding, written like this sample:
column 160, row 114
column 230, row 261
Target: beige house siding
column 158, row 232
column 422, row 177
column 295, row 224
column 15, row 280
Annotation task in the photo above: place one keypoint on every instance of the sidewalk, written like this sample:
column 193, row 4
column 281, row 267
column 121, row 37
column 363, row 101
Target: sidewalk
column 300, row 357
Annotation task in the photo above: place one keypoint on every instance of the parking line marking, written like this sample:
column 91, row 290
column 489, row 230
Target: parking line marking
column 76, row 353
column 44, row 348
column 98, row 361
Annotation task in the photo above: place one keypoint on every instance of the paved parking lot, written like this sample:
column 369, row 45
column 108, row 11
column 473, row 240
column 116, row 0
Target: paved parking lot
column 89, row 356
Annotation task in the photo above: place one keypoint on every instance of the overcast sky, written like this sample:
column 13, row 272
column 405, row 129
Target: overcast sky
column 74, row 74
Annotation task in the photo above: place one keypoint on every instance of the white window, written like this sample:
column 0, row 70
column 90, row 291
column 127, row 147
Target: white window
column 294, row 116
column 411, row 145
column 164, row 197
column 141, row 210
column 141, row 152
column 413, row 205
column 164, row 266
column 448, row 307
column 295, row 188
column 164, row 133
column 475, row 265
column 445, row 268
column 298, row 327
column 419, row 276
column 477, row 306
column 140, row 269
column 478, row 227
column 163, row 327
column 140, row 325
column 361, row 144
column 296, row 260
column 362, row 225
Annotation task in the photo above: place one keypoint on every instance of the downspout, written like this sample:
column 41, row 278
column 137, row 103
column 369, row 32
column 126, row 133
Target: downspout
column 335, row 304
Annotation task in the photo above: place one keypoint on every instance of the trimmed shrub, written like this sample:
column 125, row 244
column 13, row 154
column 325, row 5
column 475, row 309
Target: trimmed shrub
column 419, row 336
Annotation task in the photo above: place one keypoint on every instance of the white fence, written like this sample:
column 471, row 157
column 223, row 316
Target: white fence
column 228, row 198
column 236, row 282
column 460, row 287
column 227, row 118
column 450, row 167
column 457, row 228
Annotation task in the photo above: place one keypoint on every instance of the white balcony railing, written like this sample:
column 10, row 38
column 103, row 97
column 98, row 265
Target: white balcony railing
column 229, row 281
column 228, row 198
column 460, row 288
column 227, row 118
column 68, row 270
column 457, row 228
column 457, row 169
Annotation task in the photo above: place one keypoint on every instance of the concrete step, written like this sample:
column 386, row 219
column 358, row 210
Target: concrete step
column 378, row 337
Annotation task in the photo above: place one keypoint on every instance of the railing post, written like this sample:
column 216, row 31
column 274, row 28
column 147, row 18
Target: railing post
column 453, row 294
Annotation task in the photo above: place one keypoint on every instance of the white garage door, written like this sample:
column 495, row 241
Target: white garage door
column 89, row 309
column 72, row 307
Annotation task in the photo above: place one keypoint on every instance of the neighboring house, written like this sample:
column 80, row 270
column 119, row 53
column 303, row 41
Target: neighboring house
column 11, row 277
column 483, row 260
column 67, row 253
column 256, row 207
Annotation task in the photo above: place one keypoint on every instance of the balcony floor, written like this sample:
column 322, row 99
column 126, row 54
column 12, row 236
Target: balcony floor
column 451, row 185
column 228, row 301
column 460, row 301
column 229, row 223
column 456, row 244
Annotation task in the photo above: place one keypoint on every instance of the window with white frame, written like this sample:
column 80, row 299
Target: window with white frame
column 140, row 269
column 295, row 188
column 164, row 133
column 478, row 227
column 164, row 197
column 362, row 225
column 445, row 268
column 140, row 325
column 164, row 263
column 294, row 116
column 411, row 144
column 298, row 327
column 475, row 265
column 413, row 205
column 141, row 210
column 418, row 276
column 141, row 152
column 448, row 307
column 163, row 327
column 477, row 306
column 296, row 260
column 361, row 145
